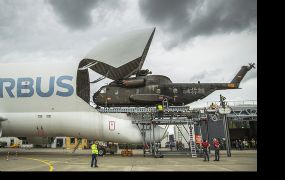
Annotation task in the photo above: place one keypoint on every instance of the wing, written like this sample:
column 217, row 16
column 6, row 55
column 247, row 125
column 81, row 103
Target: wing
column 119, row 57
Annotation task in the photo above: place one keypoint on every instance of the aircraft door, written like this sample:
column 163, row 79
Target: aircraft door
column 112, row 128
column 108, row 128
column 40, row 126
column 109, row 96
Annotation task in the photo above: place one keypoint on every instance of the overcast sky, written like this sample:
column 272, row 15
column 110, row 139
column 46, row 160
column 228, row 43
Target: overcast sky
column 195, row 40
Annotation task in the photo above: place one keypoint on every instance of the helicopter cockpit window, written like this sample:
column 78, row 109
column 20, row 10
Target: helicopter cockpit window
column 158, row 91
column 175, row 90
column 103, row 90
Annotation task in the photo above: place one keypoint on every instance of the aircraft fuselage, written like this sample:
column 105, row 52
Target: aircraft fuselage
column 41, row 100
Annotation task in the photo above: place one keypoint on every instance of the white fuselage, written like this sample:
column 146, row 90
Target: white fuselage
column 40, row 100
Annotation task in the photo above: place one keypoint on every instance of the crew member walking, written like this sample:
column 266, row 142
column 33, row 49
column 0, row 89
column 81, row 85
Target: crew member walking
column 94, row 149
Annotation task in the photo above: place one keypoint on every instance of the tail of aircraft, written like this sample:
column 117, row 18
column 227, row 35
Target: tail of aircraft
column 242, row 72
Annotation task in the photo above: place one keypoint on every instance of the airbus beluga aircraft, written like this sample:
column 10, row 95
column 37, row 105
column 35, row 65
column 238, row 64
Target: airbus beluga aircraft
column 40, row 100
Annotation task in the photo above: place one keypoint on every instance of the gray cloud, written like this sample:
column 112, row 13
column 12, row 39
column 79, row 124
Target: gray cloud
column 198, row 77
column 9, row 16
column 204, row 75
column 76, row 14
column 30, row 32
column 73, row 13
column 186, row 19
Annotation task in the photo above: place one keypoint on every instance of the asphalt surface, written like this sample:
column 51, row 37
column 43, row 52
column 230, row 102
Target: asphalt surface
column 64, row 160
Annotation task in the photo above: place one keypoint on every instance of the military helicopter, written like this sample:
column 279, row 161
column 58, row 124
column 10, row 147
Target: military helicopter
column 121, row 59
column 148, row 90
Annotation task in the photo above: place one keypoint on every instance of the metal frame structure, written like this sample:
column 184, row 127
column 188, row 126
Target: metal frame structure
column 149, row 122
column 146, row 119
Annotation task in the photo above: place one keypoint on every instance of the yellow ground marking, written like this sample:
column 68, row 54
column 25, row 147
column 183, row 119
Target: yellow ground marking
column 42, row 161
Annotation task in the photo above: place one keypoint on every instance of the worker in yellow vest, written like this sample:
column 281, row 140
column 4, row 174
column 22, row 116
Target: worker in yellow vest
column 94, row 149
column 159, row 108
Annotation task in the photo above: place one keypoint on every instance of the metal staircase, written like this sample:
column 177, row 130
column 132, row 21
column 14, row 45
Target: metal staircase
column 192, row 140
column 179, row 133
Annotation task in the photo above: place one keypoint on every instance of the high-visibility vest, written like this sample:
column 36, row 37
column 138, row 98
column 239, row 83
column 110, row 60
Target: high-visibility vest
column 94, row 149
column 160, row 107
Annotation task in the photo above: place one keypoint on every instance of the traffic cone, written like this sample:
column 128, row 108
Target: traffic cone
column 7, row 156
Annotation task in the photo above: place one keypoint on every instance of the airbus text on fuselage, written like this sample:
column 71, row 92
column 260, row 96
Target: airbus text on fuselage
column 28, row 87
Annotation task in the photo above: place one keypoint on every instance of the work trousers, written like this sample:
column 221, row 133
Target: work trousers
column 217, row 154
column 206, row 154
column 94, row 160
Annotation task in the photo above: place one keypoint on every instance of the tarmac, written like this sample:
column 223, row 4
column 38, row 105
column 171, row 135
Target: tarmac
column 46, row 159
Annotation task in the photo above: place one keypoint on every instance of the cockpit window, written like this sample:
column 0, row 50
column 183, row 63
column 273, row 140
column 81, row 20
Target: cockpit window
column 103, row 90
column 158, row 91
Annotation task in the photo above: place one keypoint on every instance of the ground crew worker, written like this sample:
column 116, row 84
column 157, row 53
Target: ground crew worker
column 222, row 101
column 177, row 147
column 94, row 149
column 217, row 149
column 205, row 146
column 160, row 111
